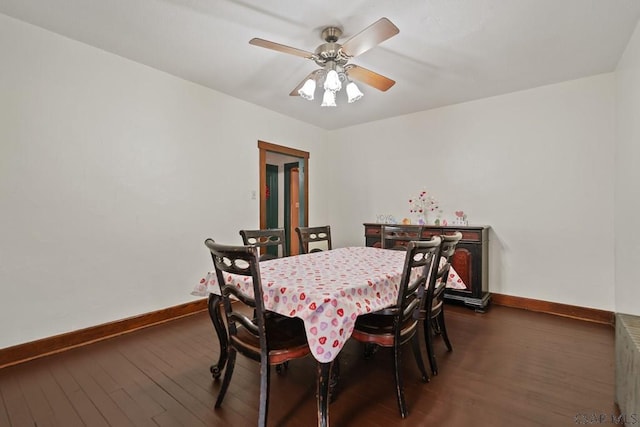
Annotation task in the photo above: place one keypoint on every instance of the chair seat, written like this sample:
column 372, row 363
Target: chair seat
column 286, row 336
column 378, row 329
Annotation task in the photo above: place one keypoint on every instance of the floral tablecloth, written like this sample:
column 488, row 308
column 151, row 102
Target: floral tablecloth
column 328, row 290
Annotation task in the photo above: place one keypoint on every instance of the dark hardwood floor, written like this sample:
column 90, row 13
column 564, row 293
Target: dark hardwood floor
column 509, row 367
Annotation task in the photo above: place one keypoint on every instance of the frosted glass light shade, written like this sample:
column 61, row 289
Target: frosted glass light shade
column 332, row 81
column 353, row 92
column 329, row 99
column 307, row 90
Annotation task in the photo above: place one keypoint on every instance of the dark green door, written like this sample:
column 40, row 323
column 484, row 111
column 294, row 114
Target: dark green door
column 272, row 202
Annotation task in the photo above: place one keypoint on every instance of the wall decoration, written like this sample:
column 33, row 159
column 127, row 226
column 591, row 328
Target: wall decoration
column 386, row 219
column 460, row 219
column 422, row 205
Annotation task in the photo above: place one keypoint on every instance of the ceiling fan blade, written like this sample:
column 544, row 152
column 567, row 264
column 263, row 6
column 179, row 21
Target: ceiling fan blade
column 369, row 77
column 311, row 75
column 371, row 36
column 281, row 48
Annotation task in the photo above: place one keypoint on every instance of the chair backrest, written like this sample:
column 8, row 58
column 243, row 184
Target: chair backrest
column 312, row 235
column 398, row 236
column 449, row 242
column 422, row 256
column 448, row 247
column 271, row 239
column 242, row 261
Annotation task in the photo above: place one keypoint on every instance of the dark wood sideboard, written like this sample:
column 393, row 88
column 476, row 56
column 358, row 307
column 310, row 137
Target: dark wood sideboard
column 471, row 260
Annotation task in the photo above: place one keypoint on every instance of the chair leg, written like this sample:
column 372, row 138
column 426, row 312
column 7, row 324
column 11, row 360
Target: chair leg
column 265, row 374
column 436, row 326
column 415, row 345
column 428, row 338
column 215, row 313
column 397, row 365
column 228, row 373
column 443, row 328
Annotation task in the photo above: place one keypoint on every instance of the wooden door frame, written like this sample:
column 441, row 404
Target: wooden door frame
column 264, row 147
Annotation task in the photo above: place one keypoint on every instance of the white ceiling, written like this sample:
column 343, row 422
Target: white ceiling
column 447, row 51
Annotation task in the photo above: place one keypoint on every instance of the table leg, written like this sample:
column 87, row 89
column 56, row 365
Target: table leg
column 215, row 307
column 334, row 378
column 324, row 378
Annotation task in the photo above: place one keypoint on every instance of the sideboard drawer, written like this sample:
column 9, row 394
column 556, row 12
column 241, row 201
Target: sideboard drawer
column 471, row 236
column 372, row 231
column 428, row 233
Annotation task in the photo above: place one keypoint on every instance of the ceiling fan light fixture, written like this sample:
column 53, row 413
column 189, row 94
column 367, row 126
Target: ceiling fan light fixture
column 308, row 89
column 353, row 92
column 329, row 99
column 332, row 81
column 333, row 59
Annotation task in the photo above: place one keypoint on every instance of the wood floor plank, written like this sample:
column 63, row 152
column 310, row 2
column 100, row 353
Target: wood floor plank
column 4, row 414
column 81, row 402
column 84, row 376
column 16, row 404
column 64, row 412
column 137, row 385
column 509, row 367
column 39, row 406
column 178, row 404
column 130, row 408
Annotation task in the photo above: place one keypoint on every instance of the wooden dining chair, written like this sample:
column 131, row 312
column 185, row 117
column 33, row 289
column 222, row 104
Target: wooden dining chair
column 397, row 325
column 308, row 236
column 271, row 242
column 398, row 236
column 256, row 338
column 433, row 314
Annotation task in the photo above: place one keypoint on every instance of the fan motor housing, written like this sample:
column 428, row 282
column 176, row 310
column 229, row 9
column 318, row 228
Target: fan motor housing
column 330, row 52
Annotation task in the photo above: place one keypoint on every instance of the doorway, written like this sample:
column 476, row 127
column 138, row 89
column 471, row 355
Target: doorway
column 295, row 189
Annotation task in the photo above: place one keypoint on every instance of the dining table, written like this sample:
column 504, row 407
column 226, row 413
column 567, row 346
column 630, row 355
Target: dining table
column 328, row 290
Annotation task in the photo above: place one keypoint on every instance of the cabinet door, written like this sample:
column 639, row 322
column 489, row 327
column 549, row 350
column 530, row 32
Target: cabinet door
column 467, row 261
column 374, row 242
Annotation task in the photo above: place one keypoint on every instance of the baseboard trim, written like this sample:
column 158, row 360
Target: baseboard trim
column 35, row 349
column 32, row 350
column 573, row 311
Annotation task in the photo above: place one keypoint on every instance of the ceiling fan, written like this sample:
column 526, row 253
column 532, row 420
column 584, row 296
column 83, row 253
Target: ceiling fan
column 333, row 58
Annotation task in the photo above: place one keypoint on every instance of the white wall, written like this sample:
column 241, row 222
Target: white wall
column 627, row 198
column 112, row 174
column 536, row 165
